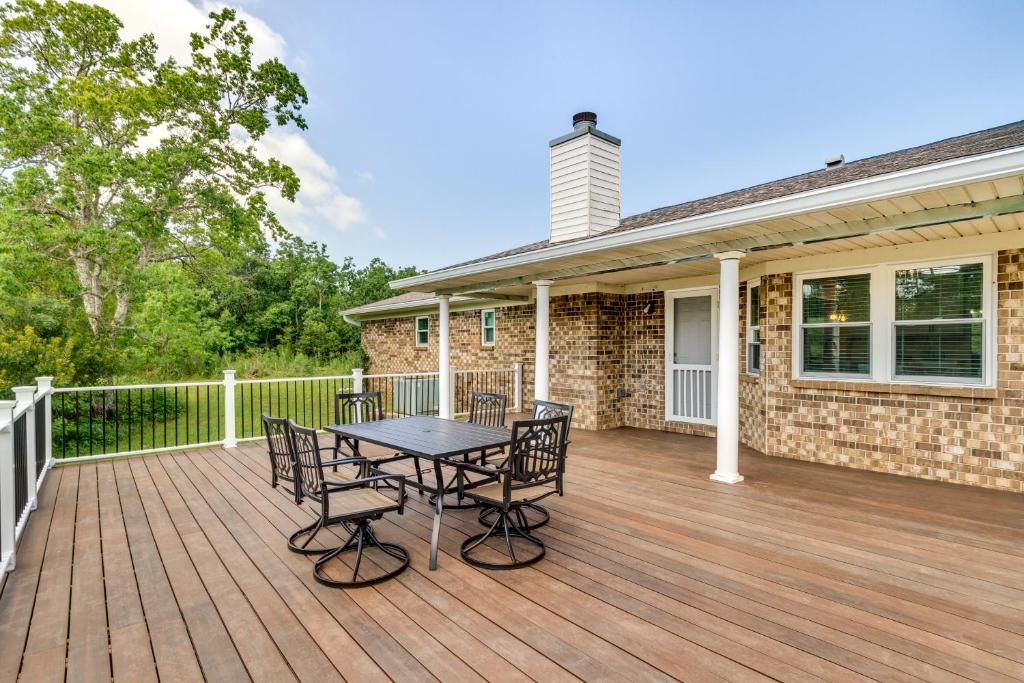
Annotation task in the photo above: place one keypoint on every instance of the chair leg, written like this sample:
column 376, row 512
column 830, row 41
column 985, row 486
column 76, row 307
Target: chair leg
column 302, row 548
column 419, row 474
column 505, row 522
column 540, row 516
column 362, row 539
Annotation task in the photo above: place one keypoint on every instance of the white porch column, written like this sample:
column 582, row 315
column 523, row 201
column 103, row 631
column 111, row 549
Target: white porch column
column 728, row 418
column 542, row 355
column 444, row 360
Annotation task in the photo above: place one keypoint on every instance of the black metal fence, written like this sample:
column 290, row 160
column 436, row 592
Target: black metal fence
column 94, row 421
column 20, row 465
column 307, row 401
column 112, row 420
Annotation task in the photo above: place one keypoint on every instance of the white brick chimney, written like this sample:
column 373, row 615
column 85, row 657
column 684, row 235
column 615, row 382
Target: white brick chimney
column 584, row 181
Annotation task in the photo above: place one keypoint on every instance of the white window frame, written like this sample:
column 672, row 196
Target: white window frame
column 751, row 285
column 483, row 327
column 417, row 330
column 883, row 322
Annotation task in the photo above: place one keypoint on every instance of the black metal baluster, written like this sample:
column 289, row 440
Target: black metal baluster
column 164, row 442
column 89, row 395
column 103, row 424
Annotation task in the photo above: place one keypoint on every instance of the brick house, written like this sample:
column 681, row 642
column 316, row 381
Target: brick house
column 869, row 314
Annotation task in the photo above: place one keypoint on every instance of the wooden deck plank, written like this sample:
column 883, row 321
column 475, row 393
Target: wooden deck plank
column 131, row 654
column 173, row 652
column 88, row 645
column 256, row 650
column 803, row 572
column 210, row 638
column 20, row 588
column 304, row 656
column 46, row 647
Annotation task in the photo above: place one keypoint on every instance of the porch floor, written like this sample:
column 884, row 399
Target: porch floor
column 175, row 565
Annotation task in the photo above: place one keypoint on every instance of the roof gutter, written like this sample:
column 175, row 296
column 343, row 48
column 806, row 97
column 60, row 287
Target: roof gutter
column 922, row 178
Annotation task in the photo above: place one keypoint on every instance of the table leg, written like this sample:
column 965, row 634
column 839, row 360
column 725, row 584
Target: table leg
column 435, row 533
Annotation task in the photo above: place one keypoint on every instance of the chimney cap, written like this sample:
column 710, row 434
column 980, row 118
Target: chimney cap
column 588, row 117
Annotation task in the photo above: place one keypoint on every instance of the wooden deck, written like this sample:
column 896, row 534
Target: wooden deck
column 175, row 566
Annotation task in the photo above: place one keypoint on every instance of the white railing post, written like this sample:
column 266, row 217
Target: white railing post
column 8, row 515
column 517, row 387
column 26, row 398
column 230, row 441
column 45, row 387
column 357, row 380
column 444, row 360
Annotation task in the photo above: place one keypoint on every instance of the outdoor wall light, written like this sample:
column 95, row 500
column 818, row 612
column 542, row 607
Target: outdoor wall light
column 649, row 307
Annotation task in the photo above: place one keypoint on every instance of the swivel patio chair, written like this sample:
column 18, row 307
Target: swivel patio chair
column 282, row 463
column 488, row 410
column 535, row 516
column 533, row 471
column 356, row 408
column 352, row 504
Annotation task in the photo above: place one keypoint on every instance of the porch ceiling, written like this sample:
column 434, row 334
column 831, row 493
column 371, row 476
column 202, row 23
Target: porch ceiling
column 989, row 207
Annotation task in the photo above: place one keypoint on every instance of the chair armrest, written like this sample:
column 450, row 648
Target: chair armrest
column 479, row 469
column 344, row 461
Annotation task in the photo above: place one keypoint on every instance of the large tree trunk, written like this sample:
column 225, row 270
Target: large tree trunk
column 88, row 272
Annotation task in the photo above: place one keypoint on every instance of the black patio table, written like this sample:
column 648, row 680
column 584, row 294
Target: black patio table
column 430, row 438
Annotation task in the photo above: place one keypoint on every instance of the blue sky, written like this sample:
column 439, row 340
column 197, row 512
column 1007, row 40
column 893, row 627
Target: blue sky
column 434, row 117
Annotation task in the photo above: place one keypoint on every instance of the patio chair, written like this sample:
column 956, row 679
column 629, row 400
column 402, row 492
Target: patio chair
column 282, row 464
column 352, row 504
column 538, row 515
column 488, row 410
column 355, row 408
column 533, row 471
column 279, row 435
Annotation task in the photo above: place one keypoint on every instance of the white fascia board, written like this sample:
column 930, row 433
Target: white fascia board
column 920, row 179
column 424, row 307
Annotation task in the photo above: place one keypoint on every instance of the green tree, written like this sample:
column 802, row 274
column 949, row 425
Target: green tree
column 113, row 160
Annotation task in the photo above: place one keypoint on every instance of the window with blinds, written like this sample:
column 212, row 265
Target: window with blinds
column 939, row 326
column 753, row 329
column 836, row 325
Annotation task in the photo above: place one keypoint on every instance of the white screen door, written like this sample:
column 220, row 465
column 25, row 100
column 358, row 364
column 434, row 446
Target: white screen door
column 690, row 347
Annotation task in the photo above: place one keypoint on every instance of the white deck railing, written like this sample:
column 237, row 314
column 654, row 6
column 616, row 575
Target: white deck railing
column 46, row 425
column 25, row 457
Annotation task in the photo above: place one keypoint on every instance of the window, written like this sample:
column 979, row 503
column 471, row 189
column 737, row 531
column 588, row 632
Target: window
column 422, row 330
column 753, row 327
column 836, row 325
column 487, row 327
column 939, row 330
column 923, row 323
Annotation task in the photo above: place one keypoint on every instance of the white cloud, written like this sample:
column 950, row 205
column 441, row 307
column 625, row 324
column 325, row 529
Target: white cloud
column 321, row 202
column 171, row 21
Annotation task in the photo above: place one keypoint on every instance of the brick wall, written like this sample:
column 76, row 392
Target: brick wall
column 967, row 436
column 390, row 345
column 603, row 341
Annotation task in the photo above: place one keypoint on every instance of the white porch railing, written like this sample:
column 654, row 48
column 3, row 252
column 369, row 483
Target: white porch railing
column 25, row 457
column 119, row 420
column 46, row 425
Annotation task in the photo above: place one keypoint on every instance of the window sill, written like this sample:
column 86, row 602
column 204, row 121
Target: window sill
column 750, row 379
column 896, row 388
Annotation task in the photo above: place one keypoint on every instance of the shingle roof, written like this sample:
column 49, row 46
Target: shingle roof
column 971, row 144
column 406, row 298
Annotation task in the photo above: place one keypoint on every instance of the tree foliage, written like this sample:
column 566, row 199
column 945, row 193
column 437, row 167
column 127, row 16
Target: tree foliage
column 114, row 160
column 135, row 236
